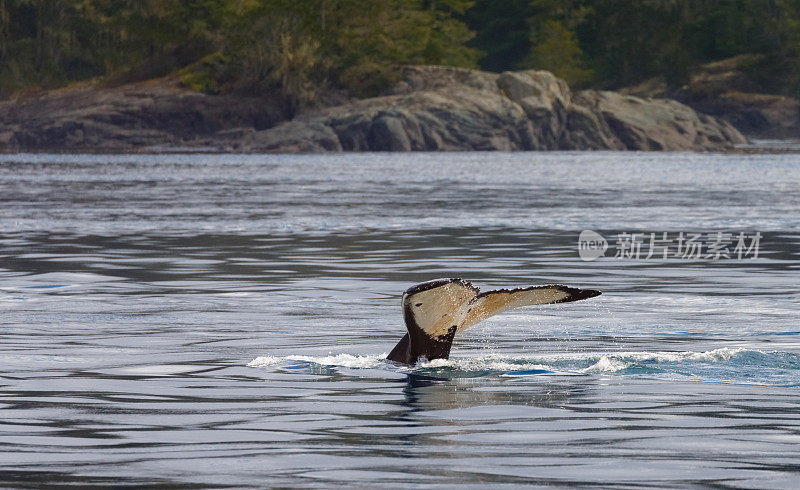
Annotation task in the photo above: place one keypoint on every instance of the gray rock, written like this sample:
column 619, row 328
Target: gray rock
column 726, row 91
column 292, row 137
column 442, row 108
column 760, row 115
column 388, row 133
column 660, row 124
column 433, row 109
column 130, row 117
column 587, row 130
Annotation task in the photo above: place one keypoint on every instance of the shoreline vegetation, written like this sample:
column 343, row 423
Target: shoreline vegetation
column 396, row 75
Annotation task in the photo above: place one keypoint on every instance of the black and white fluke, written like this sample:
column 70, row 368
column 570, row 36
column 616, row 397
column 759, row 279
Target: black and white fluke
column 435, row 311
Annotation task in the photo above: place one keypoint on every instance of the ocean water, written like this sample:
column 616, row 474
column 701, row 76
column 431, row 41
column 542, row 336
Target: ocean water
column 222, row 321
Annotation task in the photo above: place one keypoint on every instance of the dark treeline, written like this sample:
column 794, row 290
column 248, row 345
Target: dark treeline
column 296, row 46
column 302, row 46
column 615, row 43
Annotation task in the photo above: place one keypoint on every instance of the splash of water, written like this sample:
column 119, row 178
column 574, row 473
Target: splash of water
column 726, row 365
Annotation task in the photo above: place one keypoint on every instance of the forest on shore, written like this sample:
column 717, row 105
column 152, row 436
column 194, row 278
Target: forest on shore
column 301, row 48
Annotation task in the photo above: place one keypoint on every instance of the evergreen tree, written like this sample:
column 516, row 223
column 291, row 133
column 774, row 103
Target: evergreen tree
column 297, row 47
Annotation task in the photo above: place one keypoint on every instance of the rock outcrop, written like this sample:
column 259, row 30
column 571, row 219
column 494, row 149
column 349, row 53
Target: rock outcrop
column 724, row 90
column 433, row 109
column 157, row 113
column 758, row 115
column 440, row 108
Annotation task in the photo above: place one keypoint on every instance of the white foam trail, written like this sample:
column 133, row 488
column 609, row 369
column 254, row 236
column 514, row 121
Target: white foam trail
column 716, row 355
column 481, row 364
column 602, row 362
column 265, row 361
column 723, row 354
column 341, row 360
column 606, row 365
column 363, row 362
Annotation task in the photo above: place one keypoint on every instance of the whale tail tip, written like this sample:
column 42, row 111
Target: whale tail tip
column 435, row 311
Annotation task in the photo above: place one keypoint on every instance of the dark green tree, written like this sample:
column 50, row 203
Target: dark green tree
column 502, row 33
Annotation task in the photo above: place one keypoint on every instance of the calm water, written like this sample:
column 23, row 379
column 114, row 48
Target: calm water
column 220, row 320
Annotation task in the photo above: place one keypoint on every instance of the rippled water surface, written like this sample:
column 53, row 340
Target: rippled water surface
column 221, row 320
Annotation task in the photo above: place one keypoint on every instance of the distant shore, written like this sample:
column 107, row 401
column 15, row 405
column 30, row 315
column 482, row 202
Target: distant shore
column 433, row 108
column 746, row 150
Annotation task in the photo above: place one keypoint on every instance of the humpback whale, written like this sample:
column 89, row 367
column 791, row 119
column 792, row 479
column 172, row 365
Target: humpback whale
column 435, row 311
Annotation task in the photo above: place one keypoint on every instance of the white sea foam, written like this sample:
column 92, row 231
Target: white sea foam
column 372, row 361
column 438, row 363
column 572, row 362
column 606, row 365
column 341, row 360
column 482, row 364
column 265, row 361
column 716, row 355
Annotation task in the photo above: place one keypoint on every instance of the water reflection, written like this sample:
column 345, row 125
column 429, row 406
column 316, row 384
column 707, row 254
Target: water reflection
column 424, row 393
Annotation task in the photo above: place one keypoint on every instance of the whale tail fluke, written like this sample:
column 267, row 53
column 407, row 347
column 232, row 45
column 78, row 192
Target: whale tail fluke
column 435, row 311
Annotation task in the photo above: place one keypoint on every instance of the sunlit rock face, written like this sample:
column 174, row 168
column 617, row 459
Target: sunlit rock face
column 442, row 108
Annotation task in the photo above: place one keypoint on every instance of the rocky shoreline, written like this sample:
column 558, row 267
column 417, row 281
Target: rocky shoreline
column 725, row 90
column 432, row 109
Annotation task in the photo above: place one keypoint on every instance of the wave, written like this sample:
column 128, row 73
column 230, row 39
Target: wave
column 732, row 365
column 339, row 360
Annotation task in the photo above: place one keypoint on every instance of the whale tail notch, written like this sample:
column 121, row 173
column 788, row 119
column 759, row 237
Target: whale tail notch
column 435, row 311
